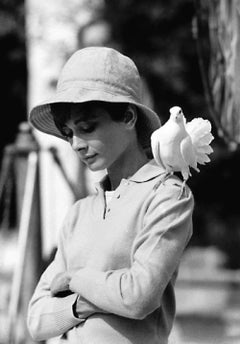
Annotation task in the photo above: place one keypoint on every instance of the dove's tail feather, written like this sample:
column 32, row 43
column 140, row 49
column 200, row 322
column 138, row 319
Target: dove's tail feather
column 199, row 130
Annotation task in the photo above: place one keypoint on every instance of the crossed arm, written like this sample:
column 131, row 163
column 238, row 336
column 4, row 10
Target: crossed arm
column 54, row 309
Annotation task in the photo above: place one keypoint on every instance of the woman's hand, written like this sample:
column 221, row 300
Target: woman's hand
column 60, row 284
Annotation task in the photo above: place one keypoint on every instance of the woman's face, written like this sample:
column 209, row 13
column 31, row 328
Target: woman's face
column 97, row 139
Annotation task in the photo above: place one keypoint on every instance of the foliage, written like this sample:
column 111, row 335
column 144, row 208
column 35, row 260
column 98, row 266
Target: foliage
column 12, row 68
column 218, row 25
column 216, row 216
column 158, row 36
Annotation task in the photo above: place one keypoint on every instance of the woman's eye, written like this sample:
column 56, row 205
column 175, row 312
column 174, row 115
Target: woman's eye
column 88, row 128
column 66, row 132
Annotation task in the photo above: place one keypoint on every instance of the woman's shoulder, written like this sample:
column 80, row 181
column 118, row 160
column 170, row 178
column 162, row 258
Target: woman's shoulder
column 172, row 187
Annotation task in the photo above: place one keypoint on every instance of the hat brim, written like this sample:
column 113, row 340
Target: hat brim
column 41, row 117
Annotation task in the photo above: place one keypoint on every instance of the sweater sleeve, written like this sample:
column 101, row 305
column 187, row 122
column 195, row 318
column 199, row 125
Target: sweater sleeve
column 50, row 316
column 137, row 291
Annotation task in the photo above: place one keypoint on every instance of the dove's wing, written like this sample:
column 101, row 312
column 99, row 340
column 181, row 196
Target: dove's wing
column 199, row 130
column 155, row 145
column 187, row 152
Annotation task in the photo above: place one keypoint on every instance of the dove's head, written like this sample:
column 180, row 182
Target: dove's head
column 176, row 114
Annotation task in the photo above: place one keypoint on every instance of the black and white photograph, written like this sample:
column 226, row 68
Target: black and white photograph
column 119, row 172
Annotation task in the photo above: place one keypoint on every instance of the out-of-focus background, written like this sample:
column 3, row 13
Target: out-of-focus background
column 188, row 53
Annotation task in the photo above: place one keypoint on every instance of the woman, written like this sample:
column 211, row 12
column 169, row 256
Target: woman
column 112, row 279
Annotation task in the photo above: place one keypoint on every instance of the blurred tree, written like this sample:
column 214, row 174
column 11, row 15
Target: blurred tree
column 217, row 218
column 12, row 69
column 218, row 38
column 158, row 36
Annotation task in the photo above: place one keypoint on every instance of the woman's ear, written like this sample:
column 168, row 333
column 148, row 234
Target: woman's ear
column 130, row 116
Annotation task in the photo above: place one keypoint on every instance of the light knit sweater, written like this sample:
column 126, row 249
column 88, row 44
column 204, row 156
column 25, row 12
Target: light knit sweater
column 124, row 258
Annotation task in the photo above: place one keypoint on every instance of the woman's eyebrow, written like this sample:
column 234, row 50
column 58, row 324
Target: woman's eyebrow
column 83, row 121
column 78, row 120
column 87, row 117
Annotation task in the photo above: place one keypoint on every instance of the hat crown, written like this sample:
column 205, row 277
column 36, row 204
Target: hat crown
column 101, row 68
column 97, row 74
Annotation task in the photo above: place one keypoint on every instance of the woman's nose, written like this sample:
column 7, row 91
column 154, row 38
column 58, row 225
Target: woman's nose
column 78, row 143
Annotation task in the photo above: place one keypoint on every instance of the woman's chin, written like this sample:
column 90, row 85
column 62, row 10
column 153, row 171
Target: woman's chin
column 96, row 166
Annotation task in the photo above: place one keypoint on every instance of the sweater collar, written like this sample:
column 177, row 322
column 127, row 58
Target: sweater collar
column 147, row 172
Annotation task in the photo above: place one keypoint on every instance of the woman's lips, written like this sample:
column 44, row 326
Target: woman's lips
column 89, row 158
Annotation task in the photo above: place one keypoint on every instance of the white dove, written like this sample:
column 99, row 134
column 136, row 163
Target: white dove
column 179, row 146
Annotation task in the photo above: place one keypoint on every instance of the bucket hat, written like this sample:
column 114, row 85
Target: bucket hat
column 97, row 74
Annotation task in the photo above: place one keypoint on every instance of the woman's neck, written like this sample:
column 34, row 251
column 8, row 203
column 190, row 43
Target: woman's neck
column 126, row 166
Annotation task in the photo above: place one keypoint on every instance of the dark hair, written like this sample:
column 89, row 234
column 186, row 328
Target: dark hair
column 61, row 113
